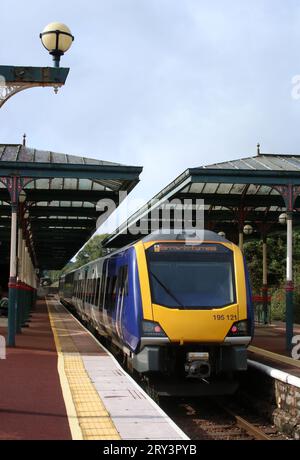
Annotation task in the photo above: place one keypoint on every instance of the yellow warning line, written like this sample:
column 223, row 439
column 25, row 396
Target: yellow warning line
column 275, row 356
column 87, row 415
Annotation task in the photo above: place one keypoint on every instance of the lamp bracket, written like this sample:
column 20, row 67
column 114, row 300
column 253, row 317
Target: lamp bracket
column 10, row 89
column 15, row 79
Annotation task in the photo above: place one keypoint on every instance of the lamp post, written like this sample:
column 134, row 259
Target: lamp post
column 15, row 188
column 19, row 297
column 248, row 229
column 287, row 219
column 13, row 80
column 57, row 39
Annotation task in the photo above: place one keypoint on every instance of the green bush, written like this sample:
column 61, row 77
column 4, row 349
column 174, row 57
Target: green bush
column 278, row 305
column 297, row 307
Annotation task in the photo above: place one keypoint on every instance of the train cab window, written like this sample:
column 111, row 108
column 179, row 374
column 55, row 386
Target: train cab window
column 200, row 277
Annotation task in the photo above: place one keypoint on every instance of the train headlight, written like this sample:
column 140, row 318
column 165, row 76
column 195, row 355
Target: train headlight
column 239, row 328
column 152, row 329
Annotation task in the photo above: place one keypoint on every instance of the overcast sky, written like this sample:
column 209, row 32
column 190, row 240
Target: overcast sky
column 166, row 84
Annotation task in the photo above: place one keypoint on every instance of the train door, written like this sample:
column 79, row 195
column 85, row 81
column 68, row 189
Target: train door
column 85, row 290
column 108, row 294
column 122, row 297
column 97, row 309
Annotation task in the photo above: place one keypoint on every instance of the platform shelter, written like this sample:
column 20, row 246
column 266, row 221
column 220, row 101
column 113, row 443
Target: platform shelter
column 48, row 210
column 259, row 192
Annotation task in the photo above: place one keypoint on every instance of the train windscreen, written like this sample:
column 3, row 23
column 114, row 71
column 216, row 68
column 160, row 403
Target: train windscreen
column 191, row 276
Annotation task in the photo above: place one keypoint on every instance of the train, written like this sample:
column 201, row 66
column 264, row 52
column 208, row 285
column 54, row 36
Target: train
column 170, row 304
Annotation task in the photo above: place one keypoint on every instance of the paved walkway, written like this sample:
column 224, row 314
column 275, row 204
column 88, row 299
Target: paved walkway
column 102, row 400
column 60, row 383
column 31, row 400
column 269, row 347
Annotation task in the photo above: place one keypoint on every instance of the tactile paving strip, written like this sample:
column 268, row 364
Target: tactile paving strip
column 92, row 417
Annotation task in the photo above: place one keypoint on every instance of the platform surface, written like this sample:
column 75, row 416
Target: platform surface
column 61, row 383
column 269, row 347
column 108, row 403
column 31, row 400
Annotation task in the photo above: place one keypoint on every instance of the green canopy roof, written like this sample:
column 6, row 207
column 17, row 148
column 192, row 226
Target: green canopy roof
column 250, row 184
column 61, row 197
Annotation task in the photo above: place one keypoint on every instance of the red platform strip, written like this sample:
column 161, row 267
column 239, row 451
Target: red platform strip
column 31, row 401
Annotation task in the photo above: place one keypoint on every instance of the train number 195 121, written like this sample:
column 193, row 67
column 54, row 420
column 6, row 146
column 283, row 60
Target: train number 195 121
column 225, row 317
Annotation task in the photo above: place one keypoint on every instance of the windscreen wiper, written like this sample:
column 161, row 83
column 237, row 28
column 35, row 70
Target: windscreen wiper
column 170, row 293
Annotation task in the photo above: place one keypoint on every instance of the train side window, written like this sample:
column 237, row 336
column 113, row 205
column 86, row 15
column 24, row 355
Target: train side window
column 106, row 293
column 87, row 284
column 98, row 283
column 85, row 289
column 102, row 292
column 110, row 294
column 123, row 280
column 90, row 291
column 94, row 291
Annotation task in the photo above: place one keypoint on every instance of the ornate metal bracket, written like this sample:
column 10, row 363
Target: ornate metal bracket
column 16, row 79
column 15, row 185
column 289, row 193
column 10, row 89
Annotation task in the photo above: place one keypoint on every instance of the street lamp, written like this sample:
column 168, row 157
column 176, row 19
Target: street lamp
column 57, row 39
column 248, row 229
column 282, row 218
column 22, row 197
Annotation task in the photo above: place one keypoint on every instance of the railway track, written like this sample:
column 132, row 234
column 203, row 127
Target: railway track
column 210, row 417
column 216, row 419
column 253, row 430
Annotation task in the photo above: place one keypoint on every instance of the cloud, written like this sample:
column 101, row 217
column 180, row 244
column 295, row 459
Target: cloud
column 163, row 83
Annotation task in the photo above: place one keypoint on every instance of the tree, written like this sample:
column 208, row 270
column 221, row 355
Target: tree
column 91, row 251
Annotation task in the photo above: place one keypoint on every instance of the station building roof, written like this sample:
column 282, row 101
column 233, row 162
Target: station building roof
column 61, row 198
column 249, row 185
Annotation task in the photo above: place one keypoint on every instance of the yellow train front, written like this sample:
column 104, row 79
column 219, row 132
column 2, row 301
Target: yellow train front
column 197, row 308
column 169, row 305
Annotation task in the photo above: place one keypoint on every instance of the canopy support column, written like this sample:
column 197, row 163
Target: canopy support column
column 289, row 282
column 241, row 239
column 19, row 283
column 14, row 185
column 265, row 280
column 289, row 193
column 12, row 285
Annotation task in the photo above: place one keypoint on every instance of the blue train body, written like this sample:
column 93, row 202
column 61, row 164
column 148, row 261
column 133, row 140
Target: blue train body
column 117, row 296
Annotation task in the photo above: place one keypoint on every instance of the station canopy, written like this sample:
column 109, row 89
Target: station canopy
column 61, row 198
column 247, row 190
